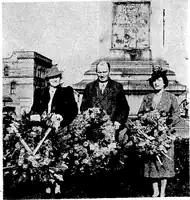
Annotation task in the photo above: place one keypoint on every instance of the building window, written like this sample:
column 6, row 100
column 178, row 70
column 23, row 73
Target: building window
column 6, row 71
column 13, row 87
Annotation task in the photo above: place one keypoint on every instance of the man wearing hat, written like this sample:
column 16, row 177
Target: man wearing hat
column 55, row 99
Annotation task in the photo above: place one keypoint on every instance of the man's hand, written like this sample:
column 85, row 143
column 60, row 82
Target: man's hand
column 117, row 125
column 36, row 118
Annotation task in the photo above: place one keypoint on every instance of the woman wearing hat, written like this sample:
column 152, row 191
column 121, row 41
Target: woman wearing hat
column 162, row 101
column 55, row 99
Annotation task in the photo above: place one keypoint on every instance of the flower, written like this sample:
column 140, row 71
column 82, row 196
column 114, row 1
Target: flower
column 88, row 149
column 59, row 177
column 48, row 190
column 86, row 143
column 92, row 143
column 57, row 189
column 25, row 166
column 76, row 162
column 150, row 134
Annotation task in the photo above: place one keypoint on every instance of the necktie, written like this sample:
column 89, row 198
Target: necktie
column 102, row 87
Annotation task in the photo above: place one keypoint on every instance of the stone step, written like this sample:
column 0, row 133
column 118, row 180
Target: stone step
column 138, row 86
column 123, row 62
column 129, row 71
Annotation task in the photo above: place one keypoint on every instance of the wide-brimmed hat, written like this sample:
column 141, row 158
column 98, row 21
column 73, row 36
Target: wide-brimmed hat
column 53, row 72
column 158, row 72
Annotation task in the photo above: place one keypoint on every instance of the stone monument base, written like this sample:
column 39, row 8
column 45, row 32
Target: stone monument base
column 134, row 77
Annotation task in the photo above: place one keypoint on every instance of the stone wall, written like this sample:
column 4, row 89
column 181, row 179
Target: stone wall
column 21, row 70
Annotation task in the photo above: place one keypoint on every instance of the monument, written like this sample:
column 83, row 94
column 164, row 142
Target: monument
column 130, row 54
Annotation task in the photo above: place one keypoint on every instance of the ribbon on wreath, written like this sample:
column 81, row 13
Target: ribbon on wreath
column 14, row 126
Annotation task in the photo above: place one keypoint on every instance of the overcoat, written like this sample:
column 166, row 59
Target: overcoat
column 113, row 100
column 63, row 103
column 169, row 104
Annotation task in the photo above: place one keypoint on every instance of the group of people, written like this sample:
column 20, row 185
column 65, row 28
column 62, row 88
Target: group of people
column 109, row 95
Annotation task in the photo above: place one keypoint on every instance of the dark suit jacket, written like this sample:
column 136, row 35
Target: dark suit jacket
column 63, row 103
column 113, row 100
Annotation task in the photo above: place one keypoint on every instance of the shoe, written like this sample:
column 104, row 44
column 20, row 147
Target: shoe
column 156, row 194
column 162, row 194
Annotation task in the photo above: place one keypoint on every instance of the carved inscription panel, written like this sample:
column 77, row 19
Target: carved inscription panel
column 130, row 26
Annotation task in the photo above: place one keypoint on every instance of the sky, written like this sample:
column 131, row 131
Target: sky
column 59, row 31
column 66, row 32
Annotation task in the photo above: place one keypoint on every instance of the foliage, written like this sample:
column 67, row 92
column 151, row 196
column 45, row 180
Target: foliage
column 28, row 155
column 126, row 187
column 151, row 135
column 42, row 151
column 91, row 147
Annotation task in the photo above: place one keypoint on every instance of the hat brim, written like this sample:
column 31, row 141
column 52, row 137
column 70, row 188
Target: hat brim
column 54, row 74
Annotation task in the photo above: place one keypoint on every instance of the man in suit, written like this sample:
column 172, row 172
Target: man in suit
column 55, row 99
column 107, row 94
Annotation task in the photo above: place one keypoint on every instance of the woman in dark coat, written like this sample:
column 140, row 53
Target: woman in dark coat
column 162, row 101
column 55, row 99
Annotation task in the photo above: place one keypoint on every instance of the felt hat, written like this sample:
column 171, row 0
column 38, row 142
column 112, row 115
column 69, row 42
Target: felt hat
column 53, row 72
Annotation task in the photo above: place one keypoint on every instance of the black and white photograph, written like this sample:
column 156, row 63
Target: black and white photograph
column 95, row 99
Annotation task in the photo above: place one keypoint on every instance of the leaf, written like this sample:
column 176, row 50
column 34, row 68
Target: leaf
column 141, row 144
column 57, row 189
column 167, row 145
column 48, row 190
column 64, row 166
column 162, row 148
column 65, row 155
column 51, row 171
column 59, row 177
column 130, row 143
column 17, row 145
column 51, row 180
column 171, row 137
column 151, row 137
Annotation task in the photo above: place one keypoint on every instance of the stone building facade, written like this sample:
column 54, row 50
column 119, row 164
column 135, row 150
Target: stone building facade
column 23, row 72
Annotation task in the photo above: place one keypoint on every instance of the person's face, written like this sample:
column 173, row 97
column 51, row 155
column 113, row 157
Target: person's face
column 54, row 81
column 103, row 72
column 158, row 84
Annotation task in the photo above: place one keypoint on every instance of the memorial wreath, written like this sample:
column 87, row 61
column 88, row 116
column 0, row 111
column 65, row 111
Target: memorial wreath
column 151, row 134
column 43, row 151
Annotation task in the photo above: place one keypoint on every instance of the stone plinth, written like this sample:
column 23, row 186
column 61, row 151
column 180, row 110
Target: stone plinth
column 134, row 77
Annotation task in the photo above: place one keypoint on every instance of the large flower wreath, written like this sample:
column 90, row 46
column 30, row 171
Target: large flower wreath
column 31, row 151
column 91, row 146
column 151, row 135
column 44, row 152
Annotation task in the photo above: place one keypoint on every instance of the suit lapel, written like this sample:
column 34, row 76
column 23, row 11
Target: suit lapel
column 55, row 98
column 106, row 90
column 96, row 90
